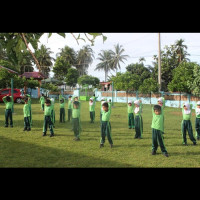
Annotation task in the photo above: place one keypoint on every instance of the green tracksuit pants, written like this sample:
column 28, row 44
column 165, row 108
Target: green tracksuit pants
column 53, row 117
column 8, row 115
column 48, row 122
column 76, row 127
column 106, row 131
column 27, row 122
column 42, row 106
column 100, row 118
column 157, row 136
column 62, row 115
column 186, row 125
column 92, row 116
column 131, row 120
column 138, row 126
column 197, row 127
column 69, row 114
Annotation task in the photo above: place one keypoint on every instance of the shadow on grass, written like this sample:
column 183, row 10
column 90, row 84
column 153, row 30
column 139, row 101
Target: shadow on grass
column 23, row 154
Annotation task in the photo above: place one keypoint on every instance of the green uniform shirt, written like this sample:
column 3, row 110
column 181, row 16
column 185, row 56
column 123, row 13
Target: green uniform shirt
column 47, row 110
column 42, row 100
column 60, row 97
column 157, row 121
column 130, row 108
column 8, row 104
column 187, row 116
column 69, row 104
column 197, row 114
column 26, row 110
column 62, row 105
column 92, row 107
column 106, row 115
column 52, row 105
column 75, row 113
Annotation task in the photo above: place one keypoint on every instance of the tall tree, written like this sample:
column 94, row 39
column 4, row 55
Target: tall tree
column 85, row 58
column 118, row 57
column 68, row 55
column 44, row 58
column 106, row 62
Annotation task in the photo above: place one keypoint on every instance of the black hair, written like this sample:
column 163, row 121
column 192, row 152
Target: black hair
column 76, row 103
column 26, row 98
column 94, row 95
column 70, row 96
column 61, row 100
column 42, row 94
column 105, row 104
column 8, row 98
column 157, row 107
column 48, row 101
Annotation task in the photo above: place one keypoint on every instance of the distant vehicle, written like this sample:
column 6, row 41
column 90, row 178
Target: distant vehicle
column 17, row 95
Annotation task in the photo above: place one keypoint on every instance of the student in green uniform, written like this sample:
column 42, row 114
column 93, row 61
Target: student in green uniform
column 157, row 129
column 161, row 102
column 197, row 120
column 105, row 125
column 42, row 101
column 53, row 117
column 130, row 115
column 60, row 96
column 8, row 100
column 29, row 104
column 76, row 122
column 69, row 108
column 47, row 118
column 62, row 110
column 138, row 122
column 186, row 124
column 26, row 111
column 92, row 110
column 101, row 109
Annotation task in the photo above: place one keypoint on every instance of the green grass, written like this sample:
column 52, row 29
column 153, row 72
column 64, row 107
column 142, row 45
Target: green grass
column 30, row 149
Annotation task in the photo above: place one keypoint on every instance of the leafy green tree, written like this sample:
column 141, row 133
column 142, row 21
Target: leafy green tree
column 106, row 62
column 61, row 68
column 89, row 80
column 183, row 77
column 32, row 84
column 195, row 85
column 149, row 85
column 5, row 78
column 139, row 69
column 127, row 82
column 117, row 56
column 68, row 55
column 72, row 77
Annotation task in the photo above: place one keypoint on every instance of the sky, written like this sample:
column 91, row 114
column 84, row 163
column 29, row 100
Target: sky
column 136, row 45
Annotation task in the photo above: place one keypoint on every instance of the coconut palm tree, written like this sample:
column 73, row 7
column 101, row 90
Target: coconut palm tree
column 180, row 50
column 44, row 59
column 85, row 58
column 106, row 63
column 118, row 57
column 68, row 54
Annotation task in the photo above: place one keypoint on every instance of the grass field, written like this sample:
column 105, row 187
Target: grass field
column 30, row 149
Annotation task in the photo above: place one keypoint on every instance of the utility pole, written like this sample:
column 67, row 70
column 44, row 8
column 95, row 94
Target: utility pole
column 159, row 62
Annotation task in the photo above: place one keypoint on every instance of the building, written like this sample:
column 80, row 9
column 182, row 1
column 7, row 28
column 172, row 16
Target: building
column 106, row 86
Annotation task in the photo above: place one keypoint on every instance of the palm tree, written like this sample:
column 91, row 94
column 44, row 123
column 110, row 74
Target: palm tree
column 180, row 50
column 141, row 60
column 117, row 56
column 68, row 54
column 106, row 63
column 85, row 58
column 44, row 59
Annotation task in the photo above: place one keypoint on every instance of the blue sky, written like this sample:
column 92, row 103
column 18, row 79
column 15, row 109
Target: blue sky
column 136, row 45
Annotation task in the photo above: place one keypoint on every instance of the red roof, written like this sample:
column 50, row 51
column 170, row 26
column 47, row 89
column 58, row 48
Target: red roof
column 10, row 70
column 105, row 83
column 35, row 75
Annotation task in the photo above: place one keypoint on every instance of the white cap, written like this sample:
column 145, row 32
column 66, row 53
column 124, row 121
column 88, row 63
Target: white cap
column 137, row 102
column 91, row 99
column 160, row 99
column 187, row 105
column 198, row 102
column 130, row 102
column 52, row 99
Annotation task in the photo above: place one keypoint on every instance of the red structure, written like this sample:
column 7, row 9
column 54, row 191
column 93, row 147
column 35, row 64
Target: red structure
column 36, row 76
column 106, row 86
